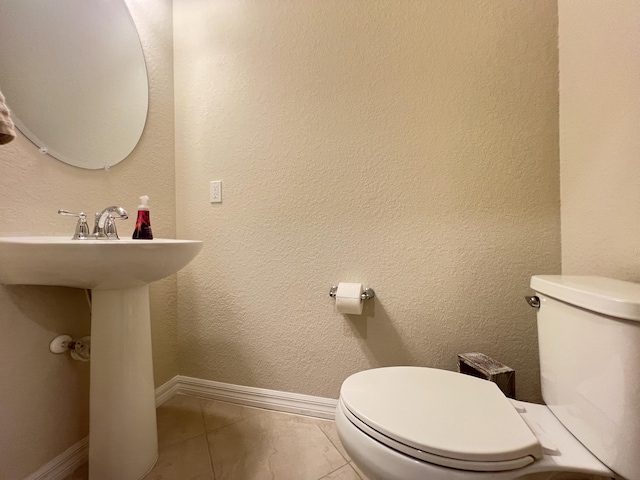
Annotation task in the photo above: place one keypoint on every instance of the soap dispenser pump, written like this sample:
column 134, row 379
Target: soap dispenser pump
column 143, row 223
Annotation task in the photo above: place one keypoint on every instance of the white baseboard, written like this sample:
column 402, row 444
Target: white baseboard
column 65, row 463
column 258, row 397
column 166, row 391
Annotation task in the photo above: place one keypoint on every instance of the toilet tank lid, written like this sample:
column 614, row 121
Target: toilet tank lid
column 608, row 296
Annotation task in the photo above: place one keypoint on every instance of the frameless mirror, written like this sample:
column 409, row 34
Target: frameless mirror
column 74, row 76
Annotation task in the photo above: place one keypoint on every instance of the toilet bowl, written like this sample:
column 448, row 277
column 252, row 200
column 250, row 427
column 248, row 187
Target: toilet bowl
column 414, row 423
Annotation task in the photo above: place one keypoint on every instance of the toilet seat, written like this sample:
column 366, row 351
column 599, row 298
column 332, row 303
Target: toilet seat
column 440, row 417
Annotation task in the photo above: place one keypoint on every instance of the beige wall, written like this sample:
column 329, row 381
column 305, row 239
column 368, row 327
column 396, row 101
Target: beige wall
column 44, row 398
column 411, row 146
column 599, row 141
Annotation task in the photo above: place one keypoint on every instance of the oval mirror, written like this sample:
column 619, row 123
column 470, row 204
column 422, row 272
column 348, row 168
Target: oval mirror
column 74, row 76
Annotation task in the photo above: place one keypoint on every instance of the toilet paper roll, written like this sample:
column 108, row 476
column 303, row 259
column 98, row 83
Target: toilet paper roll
column 348, row 298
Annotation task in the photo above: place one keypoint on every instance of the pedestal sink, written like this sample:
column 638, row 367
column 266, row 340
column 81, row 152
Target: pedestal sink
column 123, row 441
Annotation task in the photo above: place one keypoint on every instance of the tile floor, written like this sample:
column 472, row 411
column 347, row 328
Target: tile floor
column 209, row 440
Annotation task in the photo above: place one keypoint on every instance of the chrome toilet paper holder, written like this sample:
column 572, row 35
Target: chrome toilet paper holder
column 368, row 293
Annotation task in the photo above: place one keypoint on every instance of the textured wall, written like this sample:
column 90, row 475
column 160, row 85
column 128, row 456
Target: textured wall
column 44, row 398
column 411, row 146
column 599, row 141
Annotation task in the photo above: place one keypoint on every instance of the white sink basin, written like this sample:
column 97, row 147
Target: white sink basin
column 91, row 264
column 123, row 442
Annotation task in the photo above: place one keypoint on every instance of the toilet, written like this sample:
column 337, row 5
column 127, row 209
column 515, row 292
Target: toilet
column 416, row 423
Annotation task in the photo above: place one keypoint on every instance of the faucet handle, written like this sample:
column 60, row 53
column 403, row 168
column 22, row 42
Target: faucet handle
column 82, row 228
column 110, row 229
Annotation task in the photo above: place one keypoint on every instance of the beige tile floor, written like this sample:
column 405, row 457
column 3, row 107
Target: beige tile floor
column 209, row 440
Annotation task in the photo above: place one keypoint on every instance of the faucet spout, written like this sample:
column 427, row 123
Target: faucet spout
column 105, row 227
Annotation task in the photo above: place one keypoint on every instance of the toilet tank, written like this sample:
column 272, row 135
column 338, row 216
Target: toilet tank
column 589, row 341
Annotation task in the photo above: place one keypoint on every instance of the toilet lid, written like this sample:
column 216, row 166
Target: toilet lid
column 451, row 418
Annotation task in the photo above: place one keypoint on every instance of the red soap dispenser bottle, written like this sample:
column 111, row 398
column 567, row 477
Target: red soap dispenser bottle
column 143, row 223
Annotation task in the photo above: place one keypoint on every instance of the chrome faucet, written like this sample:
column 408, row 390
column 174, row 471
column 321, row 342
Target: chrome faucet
column 105, row 223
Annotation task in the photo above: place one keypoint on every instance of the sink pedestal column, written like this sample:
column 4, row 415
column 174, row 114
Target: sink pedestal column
column 123, row 441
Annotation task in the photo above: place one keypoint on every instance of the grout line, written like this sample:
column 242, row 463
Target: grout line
column 346, row 461
column 228, row 403
column 206, row 437
column 332, row 472
column 351, row 464
column 334, row 445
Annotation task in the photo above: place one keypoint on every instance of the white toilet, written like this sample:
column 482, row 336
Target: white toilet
column 414, row 423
